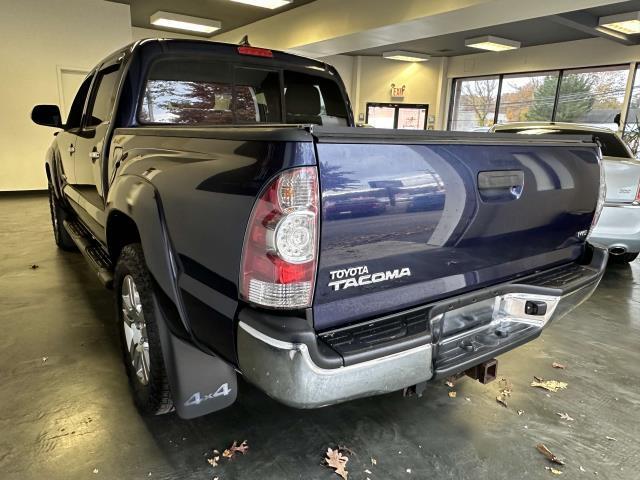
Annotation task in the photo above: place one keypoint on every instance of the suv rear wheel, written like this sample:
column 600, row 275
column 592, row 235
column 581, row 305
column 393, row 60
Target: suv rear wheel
column 140, row 337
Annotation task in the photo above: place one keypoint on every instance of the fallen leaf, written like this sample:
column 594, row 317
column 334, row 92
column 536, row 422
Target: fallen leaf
column 520, row 412
column 504, row 387
column 558, row 365
column 611, row 438
column 555, row 471
column 501, row 400
column 449, row 383
column 336, row 460
column 95, row 470
column 565, row 416
column 235, row 448
column 35, row 266
column 551, row 385
column 213, row 461
column 373, row 461
column 547, row 453
column 452, row 394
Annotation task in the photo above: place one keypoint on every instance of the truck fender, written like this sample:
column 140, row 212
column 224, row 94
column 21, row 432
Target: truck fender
column 200, row 381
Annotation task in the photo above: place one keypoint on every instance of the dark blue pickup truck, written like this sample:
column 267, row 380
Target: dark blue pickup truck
column 247, row 227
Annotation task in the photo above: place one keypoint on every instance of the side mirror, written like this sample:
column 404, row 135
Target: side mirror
column 47, row 115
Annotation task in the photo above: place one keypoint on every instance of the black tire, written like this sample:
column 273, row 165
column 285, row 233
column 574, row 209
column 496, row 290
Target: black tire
column 624, row 258
column 58, row 215
column 154, row 397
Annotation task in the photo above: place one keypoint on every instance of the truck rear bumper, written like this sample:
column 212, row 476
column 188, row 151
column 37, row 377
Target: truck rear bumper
column 460, row 333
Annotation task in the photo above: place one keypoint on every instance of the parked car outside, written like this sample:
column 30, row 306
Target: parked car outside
column 618, row 227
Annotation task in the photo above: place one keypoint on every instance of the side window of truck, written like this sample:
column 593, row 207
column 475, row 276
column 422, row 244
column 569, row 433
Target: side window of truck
column 75, row 112
column 104, row 96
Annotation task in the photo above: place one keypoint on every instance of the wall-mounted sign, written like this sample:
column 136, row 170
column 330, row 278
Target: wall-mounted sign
column 398, row 91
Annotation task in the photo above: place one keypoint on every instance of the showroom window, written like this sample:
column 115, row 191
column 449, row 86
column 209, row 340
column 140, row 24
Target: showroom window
column 474, row 103
column 593, row 96
column 528, row 97
column 631, row 132
column 588, row 95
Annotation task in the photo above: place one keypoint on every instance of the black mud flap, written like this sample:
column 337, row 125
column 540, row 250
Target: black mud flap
column 200, row 383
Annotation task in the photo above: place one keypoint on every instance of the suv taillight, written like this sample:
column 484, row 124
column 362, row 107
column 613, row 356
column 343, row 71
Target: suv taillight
column 279, row 257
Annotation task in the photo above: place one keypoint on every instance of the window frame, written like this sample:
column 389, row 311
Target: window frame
column 91, row 77
column 95, row 86
column 561, row 72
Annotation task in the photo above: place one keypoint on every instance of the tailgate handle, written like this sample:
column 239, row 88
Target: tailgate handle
column 501, row 184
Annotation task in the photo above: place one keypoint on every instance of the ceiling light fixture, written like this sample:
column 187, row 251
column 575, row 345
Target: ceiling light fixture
column 491, row 43
column 272, row 4
column 406, row 56
column 628, row 23
column 184, row 22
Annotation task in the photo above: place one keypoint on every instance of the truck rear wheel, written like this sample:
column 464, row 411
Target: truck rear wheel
column 58, row 215
column 140, row 337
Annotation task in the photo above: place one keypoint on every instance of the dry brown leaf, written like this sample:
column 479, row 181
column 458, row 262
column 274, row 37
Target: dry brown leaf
column 555, row 471
column 502, row 400
column 565, row 416
column 541, row 447
column 449, row 383
column 551, row 385
column 558, row 365
column 336, row 460
column 504, row 387
column 235, row 448
column 452, row 394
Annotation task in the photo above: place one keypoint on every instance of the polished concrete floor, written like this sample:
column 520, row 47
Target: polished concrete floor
column 66, row 412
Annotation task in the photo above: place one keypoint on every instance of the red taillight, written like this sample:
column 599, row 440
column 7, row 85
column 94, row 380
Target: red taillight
column 255, row 52
column 637, row 200
column 280, row 247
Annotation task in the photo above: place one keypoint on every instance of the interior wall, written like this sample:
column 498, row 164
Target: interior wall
column 38, row 38
column 421, row 80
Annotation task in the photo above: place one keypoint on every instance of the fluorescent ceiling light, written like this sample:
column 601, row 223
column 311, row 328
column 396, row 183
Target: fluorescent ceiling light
column 494, row 44
column 406, row 56
column 272, row 4
column 184, row 22
column 628, row 23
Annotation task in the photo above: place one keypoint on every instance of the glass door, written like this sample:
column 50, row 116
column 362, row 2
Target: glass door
column 397, row 115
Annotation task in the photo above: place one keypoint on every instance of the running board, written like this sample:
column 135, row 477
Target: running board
column 96, row 256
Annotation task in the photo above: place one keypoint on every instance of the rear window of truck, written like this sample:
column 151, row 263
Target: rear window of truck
column 210, row 92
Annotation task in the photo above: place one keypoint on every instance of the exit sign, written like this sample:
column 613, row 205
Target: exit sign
column 398, row 91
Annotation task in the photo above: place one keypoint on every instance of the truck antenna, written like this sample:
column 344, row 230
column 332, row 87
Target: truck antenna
column 245, row 41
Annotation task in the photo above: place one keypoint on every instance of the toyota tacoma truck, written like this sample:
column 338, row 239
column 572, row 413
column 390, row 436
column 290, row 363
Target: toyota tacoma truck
column 248, row 228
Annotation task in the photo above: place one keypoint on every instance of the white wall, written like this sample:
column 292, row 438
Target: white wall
column 36, row 38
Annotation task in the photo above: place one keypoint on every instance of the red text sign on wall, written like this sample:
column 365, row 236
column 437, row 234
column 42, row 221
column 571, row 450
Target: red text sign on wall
column 398, row 91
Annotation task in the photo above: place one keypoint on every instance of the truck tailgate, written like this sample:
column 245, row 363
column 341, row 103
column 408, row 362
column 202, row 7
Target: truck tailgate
column 409, row 218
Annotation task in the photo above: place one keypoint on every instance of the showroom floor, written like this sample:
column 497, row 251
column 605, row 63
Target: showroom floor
column 66, row 411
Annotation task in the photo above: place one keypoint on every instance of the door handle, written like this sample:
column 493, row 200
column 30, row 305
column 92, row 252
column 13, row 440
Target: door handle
column 94, row 156
column 71, row 149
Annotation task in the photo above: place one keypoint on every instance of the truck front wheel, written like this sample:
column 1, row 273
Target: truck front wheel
column 140, row 337
column 58, row 215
